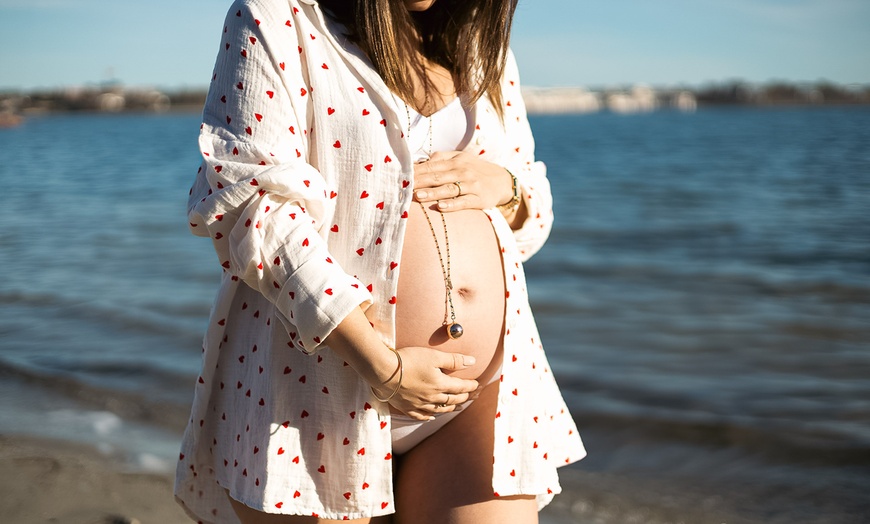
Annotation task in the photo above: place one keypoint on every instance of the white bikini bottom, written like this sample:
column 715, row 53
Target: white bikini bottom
column 407, row 432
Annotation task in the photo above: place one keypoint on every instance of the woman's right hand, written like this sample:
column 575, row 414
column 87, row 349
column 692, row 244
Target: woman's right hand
column 426, row 388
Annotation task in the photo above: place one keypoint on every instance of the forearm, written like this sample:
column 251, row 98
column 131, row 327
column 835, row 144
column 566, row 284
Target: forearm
column 355, row 341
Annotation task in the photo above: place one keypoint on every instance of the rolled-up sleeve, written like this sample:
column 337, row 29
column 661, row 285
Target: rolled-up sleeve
column 255, row 196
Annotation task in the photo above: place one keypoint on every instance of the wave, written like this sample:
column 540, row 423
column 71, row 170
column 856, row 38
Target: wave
column 181, row 319
column 680, row 275
column 805, row 443
column 159, row 397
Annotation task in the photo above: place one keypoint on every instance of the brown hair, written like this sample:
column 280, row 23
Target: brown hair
column 467, row 37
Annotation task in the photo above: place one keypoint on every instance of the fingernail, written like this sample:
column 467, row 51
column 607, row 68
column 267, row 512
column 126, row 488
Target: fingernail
column 443, row 205
column 468, row 361
column 422, row 195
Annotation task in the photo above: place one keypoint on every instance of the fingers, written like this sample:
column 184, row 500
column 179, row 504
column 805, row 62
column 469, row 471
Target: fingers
column 455, row 361
column 434, row 173
column 459, row 203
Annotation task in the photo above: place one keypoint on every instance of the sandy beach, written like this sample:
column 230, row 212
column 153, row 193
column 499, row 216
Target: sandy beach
column 61, row 482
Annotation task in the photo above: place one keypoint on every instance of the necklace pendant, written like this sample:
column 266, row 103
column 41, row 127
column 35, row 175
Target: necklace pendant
column 454, row 330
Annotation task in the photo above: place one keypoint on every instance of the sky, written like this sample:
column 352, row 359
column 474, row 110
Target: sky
column 171, row 44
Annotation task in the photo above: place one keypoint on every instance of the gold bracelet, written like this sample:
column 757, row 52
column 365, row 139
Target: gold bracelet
column 514, row 203
column 401, row 372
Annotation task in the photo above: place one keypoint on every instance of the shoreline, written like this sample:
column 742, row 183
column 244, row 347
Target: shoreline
column 59, row 481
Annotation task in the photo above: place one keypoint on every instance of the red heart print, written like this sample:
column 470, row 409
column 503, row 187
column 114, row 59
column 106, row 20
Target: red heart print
column 320, row 436
column 253, row 40
column 280, row 451
column 365, row 112
column 330, row 111
column 328, row 291
column 337, row 144
column 364, row 194
column 281, row 65
column 258, row 116
column 368, row 167
column 362, row 451
column 279, row 504
column 380, row 205
column 334, row 228
column 322, row 468
column 393, row 265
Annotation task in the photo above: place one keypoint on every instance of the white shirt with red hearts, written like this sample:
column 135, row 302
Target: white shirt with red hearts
column 304, row 189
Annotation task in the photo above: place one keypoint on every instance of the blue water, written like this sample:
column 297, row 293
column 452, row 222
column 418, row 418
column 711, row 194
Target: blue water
column 704, row 296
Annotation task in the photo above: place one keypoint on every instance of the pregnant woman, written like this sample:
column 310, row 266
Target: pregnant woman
column 369, row 185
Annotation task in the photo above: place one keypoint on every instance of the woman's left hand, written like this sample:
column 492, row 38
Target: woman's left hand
column 459, row 180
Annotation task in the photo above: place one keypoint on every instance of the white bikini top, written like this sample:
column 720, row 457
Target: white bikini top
column 452, row 127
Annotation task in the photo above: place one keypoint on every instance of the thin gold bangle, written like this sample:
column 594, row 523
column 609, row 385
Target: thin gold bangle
column 514, row 202
column 401, row 376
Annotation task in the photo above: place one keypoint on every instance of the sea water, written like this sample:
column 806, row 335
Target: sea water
column 704, row 297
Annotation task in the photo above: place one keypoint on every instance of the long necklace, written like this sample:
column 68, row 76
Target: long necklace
column 453, row 328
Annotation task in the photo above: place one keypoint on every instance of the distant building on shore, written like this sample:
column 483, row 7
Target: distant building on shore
column 112, row 97
column 637, row 99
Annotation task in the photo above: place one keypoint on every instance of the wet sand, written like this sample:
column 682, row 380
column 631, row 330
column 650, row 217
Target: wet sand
column 64, row 483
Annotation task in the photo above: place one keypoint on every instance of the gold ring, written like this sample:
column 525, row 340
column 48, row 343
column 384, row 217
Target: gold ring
column 459, row 187
column 442, row 405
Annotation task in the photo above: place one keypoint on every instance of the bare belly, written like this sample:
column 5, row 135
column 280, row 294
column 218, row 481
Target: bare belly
column 478, row 288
